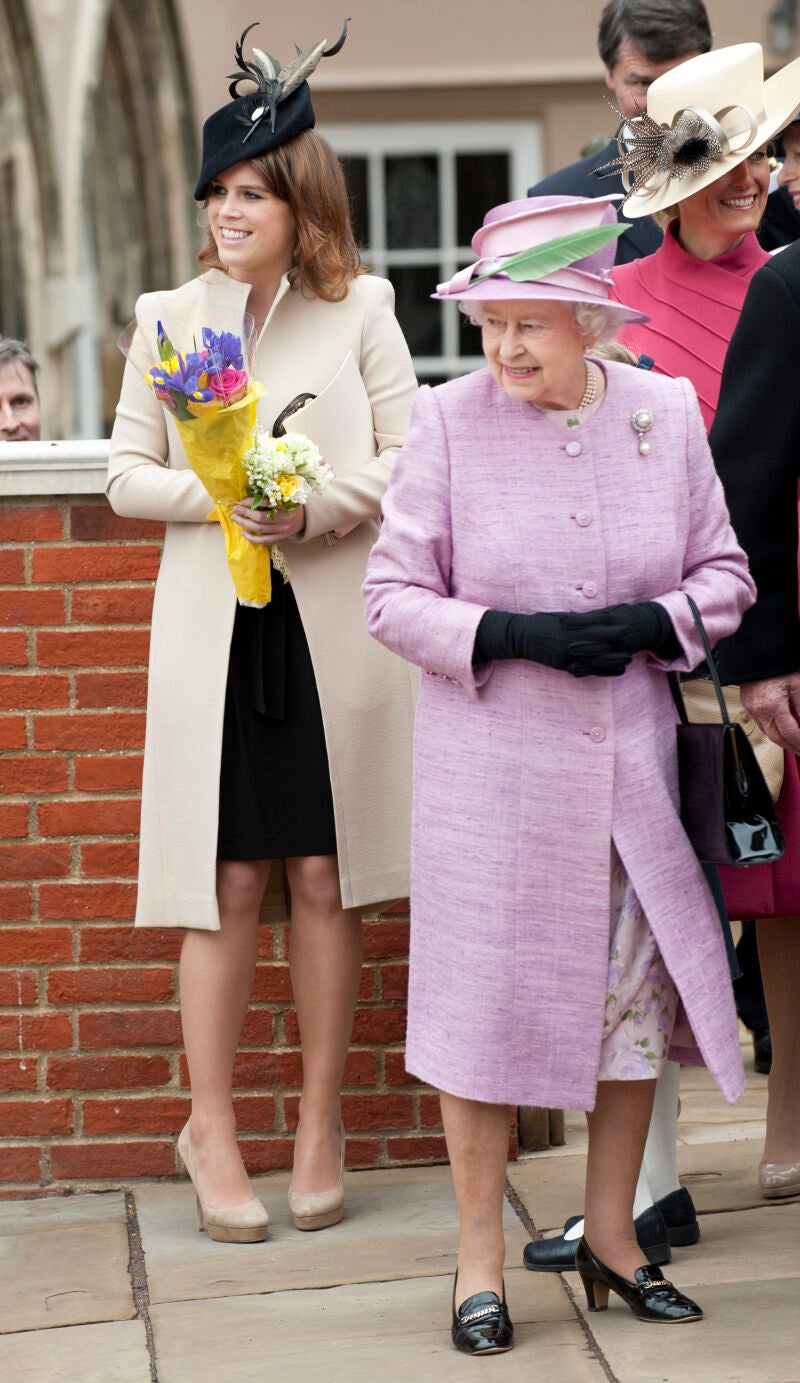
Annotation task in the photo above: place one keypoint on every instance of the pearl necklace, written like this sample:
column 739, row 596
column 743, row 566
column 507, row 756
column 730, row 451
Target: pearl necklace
column 591, row 390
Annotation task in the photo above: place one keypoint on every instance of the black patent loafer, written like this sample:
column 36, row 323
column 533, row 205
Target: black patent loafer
column 482, row 1325
column 557, row 1255
column 650, row 1296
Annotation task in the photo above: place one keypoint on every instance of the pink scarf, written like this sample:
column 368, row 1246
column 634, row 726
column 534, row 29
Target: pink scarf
column 694, row 305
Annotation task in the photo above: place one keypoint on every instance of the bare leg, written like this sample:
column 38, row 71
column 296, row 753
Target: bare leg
column 617, row 1133
column 325, row 950
column 477, row 1144
column 779, row 954
column 217, row 971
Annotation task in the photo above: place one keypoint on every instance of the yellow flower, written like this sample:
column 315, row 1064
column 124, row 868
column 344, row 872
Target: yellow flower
column 288, row 486
column 199, row 409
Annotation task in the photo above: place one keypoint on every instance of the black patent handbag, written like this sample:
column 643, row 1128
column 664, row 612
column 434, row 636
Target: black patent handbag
column 726, row 808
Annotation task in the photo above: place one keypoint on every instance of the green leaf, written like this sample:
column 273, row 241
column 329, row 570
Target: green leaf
column 536, row 263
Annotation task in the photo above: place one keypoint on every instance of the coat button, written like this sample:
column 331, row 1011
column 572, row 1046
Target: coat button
column 589, row 589
column 583, row 520
column 573, row 448
column 597, row 734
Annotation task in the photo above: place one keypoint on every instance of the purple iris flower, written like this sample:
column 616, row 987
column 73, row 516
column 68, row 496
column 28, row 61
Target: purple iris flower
column 223, row 351
column 186, row 379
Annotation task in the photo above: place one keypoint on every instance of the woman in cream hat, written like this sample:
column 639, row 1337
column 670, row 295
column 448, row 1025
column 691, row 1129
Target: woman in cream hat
column 699, row 162
column 546, row 519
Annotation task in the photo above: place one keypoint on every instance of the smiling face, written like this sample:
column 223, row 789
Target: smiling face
column 253, row 230
column 535, row 351
column 789, row 176
column 20, row 410
column 715, row 219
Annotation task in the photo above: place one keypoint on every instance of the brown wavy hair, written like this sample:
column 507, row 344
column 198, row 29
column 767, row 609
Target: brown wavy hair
column 306, row 173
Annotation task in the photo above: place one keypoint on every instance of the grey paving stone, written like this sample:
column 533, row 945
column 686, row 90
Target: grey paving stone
column 111, row 1353
column 64, row 1262
column 749, row 1335
column 746, row 1246
column 393, row 1332
column 398, row 1224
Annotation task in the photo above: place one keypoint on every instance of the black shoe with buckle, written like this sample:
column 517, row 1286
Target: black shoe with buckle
column 482, row 1325
column 650, row 1296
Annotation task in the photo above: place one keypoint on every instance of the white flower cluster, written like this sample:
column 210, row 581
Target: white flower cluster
column 283, row 471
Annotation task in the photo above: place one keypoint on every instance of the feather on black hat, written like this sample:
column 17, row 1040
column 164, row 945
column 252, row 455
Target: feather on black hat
column 278, row 108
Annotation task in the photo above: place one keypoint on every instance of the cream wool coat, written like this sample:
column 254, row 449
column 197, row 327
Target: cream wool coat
column 366, row 693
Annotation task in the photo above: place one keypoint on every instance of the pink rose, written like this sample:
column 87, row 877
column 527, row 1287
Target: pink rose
column 229, row 384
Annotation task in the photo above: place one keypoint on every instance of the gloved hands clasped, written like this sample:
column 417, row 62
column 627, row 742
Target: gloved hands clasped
column 600, row 643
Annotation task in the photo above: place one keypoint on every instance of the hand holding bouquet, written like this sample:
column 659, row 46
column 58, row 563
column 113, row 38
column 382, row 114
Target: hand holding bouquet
column 282, row 472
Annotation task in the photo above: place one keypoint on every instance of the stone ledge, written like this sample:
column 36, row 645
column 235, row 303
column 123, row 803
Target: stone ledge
column 53, row 468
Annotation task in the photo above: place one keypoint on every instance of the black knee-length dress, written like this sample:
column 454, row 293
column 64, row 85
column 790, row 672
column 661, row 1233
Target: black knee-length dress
column 275, row 795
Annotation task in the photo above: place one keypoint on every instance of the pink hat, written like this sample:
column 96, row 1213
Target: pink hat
column 553, row 248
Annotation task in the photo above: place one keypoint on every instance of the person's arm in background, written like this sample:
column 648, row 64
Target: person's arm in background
column 755, row 441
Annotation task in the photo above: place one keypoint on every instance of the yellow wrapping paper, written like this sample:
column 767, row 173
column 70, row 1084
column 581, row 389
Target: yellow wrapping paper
column 214, row 443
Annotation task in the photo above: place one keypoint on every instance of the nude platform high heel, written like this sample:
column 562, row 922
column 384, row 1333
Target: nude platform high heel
column 228, row 1224
column 319, row 1209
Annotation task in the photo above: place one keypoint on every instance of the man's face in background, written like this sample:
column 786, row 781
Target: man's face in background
column 632, row 74
column 20, row 409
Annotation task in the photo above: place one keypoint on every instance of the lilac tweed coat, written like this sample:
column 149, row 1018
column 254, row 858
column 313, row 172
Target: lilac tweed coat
column 523, row 775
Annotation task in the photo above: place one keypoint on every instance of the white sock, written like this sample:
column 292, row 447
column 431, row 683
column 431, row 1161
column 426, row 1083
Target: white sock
column 659, row 1171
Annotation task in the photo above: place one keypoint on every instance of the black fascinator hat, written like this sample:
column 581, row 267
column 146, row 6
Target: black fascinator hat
column 278, row 108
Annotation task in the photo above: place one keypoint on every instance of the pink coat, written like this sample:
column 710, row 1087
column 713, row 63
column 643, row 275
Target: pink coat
column 693, row 304
column 523, row 775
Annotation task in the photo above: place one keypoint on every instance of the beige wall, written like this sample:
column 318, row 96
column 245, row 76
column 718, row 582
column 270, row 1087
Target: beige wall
column 453, row 59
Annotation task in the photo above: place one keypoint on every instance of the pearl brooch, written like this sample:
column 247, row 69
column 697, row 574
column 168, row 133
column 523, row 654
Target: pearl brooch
column 641, row 422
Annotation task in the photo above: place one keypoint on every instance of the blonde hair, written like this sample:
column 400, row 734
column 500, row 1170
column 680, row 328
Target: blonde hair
column 613, row 350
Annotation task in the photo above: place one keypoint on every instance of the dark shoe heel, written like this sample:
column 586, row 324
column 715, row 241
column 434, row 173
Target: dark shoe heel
column 679, row 1215
column 681, row 1237
column 596, row 1294
column 650, row 1297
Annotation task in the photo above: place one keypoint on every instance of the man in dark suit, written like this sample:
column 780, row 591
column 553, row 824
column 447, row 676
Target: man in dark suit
column 637, row 41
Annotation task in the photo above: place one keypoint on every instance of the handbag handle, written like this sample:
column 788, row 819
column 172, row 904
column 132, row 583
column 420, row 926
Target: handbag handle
column 674, row 683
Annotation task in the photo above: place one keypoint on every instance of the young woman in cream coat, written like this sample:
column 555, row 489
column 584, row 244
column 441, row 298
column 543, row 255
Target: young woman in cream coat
column 323, row 779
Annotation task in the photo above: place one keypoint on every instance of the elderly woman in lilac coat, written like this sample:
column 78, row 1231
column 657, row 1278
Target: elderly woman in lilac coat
column 547, row 518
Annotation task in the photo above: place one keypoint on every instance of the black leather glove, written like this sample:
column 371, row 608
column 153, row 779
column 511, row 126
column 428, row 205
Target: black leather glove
column 543, row 638
column 630, row 628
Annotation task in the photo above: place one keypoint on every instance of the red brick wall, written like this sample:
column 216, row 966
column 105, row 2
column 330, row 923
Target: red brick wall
column 92, row 1077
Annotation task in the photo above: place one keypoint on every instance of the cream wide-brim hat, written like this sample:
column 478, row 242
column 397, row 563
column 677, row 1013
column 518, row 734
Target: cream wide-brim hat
column 727, row 90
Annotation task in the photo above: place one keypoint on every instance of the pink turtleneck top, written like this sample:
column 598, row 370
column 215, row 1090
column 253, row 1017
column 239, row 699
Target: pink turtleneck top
column 693, row 304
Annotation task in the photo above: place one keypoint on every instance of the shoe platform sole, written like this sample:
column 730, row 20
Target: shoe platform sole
column 332, row 1217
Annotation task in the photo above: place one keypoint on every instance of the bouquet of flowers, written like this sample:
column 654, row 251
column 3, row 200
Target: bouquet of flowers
column 211, row 396
column 282, row 473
